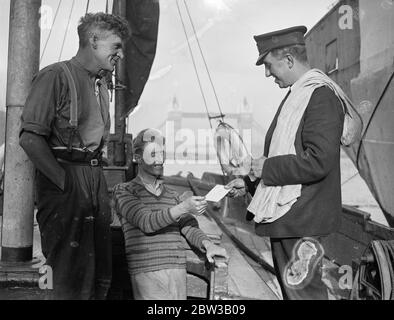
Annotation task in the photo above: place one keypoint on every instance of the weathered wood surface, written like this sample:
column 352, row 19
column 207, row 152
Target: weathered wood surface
column 243, row 281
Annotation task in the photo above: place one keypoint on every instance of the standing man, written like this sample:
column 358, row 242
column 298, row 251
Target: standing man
column 297, row 196
column 156, row 223
column 64, row 138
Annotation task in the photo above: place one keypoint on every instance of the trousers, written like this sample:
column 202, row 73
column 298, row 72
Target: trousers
column 298, row 266
column 166, row 284
column 75, row 233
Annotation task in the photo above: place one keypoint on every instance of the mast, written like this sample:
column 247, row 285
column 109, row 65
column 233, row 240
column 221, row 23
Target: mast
column 23, row 63
column 132, row 73
column 119, row 152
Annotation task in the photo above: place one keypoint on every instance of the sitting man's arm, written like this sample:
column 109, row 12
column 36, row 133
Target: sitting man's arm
column 213, row 250
column 197, row 238
column 129, row 206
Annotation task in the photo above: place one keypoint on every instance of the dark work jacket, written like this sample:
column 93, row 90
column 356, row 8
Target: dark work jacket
column 316, row 166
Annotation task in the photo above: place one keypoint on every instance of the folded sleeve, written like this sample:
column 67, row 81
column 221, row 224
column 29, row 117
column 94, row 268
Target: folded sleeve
column 48, row 92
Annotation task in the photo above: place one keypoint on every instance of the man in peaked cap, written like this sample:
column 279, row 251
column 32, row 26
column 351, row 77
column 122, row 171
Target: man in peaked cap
column 279, row 39
column 297, row 195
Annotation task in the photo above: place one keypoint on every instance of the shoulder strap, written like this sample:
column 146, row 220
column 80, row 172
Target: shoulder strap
column 74, row 99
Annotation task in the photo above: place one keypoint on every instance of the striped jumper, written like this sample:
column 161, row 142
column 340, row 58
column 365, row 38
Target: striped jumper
column 153, row 239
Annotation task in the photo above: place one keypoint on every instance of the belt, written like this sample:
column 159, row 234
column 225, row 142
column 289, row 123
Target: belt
column 90, row 163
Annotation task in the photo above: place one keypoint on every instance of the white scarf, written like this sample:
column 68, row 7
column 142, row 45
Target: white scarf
column 271, row 203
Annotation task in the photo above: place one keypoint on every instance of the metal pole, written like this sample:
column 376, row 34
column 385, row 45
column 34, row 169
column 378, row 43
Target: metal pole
column 120, row 100
column 23, row 63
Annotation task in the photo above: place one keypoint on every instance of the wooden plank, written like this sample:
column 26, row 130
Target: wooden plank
column 261, row 247
column 209, row 226
column 243, row 281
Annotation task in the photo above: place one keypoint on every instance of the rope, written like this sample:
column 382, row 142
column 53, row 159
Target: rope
column 203, row 58
column 370, row 119
column 65, row 33
column 50, row 31
column 194, row 64
column 87, row 6
column 347, row 180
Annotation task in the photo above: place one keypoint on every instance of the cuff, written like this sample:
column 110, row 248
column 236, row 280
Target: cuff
column 251, row 185
column 35, row 128
column 200, row 240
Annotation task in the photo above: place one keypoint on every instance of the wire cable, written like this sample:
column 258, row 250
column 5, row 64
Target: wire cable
column 50, row 31
column 371, row 118
column 203, row 58
column 194, row 64
column 65, row 33
column 347, row 180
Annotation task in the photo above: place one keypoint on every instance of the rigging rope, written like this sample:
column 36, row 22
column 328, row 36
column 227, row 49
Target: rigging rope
column 194, row 64
column 347, row 180
column 203, row 58
column 65, row 33
column 370, row 119
column 50, row 31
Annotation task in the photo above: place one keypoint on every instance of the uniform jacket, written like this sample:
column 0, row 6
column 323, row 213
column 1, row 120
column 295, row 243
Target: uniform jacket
column 316, row 166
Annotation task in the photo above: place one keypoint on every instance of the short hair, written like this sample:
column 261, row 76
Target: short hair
column 298, row 51
column 103, row 22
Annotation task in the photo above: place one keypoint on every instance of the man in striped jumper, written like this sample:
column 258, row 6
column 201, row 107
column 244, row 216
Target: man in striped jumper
column 156, row 225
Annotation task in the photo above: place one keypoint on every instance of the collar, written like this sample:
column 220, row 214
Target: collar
column 155, row 188
column 296, row 85
column 96, row 76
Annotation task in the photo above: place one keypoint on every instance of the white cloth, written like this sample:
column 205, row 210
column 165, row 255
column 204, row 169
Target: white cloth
column 271, row 203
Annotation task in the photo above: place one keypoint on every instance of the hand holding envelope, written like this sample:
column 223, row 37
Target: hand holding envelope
column 217, row 193
column 195, row 205
column 256, row 169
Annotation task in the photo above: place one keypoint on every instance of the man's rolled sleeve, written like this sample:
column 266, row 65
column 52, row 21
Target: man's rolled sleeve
column 44, row 97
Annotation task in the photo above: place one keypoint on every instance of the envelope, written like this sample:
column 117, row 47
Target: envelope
column 217, row 193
